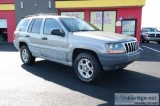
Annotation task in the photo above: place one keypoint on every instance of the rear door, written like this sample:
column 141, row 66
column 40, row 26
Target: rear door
column 53, row 46
column 34, row 36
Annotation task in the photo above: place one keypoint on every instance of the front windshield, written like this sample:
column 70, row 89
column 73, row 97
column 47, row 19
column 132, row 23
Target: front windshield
column 150, row 30
column 77, row 24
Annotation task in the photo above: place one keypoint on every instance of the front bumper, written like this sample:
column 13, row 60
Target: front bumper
column 117, row 61
column 152, row 39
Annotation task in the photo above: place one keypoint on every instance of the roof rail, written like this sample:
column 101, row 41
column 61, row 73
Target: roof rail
column 41, row 14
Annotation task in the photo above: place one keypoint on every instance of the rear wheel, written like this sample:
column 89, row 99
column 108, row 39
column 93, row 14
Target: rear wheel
column 87, row 67
column 158, row 42
column 26, row 55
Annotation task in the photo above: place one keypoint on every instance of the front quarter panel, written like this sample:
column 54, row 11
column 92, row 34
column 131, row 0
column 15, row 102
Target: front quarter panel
column 78, row 42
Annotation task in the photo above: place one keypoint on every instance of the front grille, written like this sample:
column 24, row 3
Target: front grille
column 154, row 35
column 151, row 35
column 158, row 35
column 131, row 46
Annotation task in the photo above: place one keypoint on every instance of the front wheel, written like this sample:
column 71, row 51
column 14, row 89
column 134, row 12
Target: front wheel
column 142, row 40
column 147, row 41
column 26, row 55
column 87, row 67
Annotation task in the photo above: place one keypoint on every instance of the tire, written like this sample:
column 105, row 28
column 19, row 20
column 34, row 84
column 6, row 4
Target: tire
column 26, row 55
column 158, row 42
column 147, row 41
column 142, row 40
column 87, row 67
column 121, row 69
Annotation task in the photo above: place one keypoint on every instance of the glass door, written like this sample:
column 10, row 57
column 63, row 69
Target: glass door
column 129, row 27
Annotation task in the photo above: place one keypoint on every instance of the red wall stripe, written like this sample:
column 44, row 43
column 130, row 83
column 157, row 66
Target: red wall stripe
column 6, row 1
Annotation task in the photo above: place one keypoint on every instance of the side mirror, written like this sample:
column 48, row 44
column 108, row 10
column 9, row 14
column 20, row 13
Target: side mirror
column 57, row 32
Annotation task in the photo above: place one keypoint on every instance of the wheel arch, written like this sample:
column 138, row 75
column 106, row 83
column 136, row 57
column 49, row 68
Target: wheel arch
column 22, row 43
column 81, row 50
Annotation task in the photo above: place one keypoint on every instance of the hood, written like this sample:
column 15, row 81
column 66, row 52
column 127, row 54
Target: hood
column 152, row 32
column 105, row 36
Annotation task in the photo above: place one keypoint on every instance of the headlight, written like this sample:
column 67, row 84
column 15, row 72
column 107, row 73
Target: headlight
column 115, row 48
column 146, row 35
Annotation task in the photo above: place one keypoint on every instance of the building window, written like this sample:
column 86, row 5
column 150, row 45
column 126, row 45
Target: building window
column 104, row 20
column 76, row 14
column 49, row 4
column 109, row 21
column 21, row 4
column 96, row 19
column 3, row 30
column 3, row 23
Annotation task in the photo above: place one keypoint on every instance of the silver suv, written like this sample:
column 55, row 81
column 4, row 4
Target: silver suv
column 74, row 42
column 150, row 34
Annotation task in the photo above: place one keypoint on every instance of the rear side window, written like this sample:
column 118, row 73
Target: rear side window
column 36, row 25
column 23, row 25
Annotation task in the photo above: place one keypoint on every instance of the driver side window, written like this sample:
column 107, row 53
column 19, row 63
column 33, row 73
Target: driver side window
column 49, row 25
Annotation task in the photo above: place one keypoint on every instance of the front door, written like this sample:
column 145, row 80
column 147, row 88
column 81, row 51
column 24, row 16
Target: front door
column 54, row 46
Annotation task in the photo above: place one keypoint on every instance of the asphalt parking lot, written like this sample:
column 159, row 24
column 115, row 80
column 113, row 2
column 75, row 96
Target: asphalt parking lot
column 50, row 84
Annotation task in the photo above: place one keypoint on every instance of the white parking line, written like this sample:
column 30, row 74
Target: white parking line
column 151, row 49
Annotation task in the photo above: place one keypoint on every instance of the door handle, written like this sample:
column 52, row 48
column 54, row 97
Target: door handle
column 27, row 36
column 44, row 38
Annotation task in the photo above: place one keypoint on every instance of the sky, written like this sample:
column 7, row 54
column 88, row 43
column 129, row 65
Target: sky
column 151, row 14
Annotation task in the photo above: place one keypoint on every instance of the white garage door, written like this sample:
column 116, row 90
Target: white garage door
column 3, row 23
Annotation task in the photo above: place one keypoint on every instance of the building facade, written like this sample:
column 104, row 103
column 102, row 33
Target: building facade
column 120, row 16
column 7, row 20
column 30, row 7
